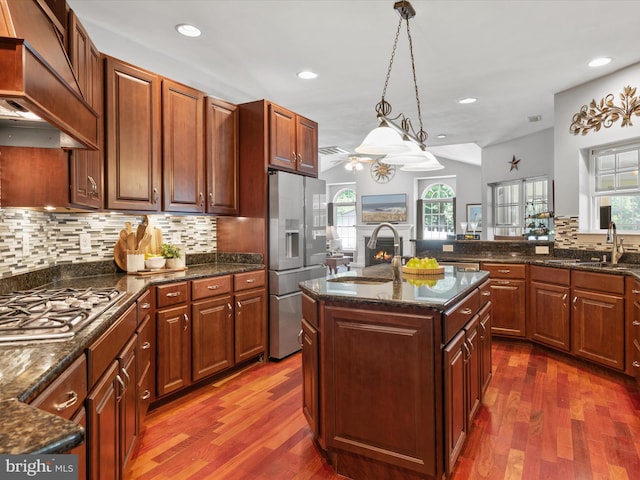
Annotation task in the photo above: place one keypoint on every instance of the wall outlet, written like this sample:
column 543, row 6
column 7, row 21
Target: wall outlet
column 447, row 248
column 26, row 244
column 175, row 238
column 85, row 243
column 542, row 249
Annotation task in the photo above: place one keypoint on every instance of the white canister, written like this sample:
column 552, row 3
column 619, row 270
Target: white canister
column 135, row 262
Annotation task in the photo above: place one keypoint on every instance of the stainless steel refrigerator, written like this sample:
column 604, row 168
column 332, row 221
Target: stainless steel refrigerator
column 297, row 248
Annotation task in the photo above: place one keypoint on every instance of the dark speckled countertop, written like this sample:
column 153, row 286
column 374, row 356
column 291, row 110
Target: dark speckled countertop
column 27, row 369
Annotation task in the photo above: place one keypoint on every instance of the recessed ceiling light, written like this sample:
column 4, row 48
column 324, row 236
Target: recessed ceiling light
column 307, row 75
column 464, row 101
column 599, row 62
column 442, row 135
column 188, row 30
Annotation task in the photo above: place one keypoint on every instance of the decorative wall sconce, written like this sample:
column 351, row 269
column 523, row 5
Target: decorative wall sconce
column 605, row 113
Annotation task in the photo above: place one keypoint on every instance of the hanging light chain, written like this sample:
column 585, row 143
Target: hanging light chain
column 384, row 107
column 421, row 135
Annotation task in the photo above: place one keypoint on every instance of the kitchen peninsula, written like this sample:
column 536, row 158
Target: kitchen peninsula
column 393, row 373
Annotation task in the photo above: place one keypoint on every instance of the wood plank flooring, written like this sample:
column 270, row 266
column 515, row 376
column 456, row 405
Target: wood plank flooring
column 544, row 417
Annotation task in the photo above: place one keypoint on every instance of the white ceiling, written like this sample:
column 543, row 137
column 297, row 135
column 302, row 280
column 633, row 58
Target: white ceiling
column 513, row 55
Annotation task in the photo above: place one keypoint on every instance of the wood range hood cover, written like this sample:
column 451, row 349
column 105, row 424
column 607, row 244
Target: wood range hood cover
column 36, row 76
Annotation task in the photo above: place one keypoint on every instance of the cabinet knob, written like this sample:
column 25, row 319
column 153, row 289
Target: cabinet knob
column 636, row 364
column 146, row 346
column 71, row 401
column 146, row 395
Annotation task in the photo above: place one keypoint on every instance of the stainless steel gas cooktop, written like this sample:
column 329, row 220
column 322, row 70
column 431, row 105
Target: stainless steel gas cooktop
column 50, row 315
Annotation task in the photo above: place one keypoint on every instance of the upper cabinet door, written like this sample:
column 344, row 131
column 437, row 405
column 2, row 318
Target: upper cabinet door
column 282, row 126
column 182, row 148
column 86, row 165
column 307, row 145
column 222, row 157
column 132, row 147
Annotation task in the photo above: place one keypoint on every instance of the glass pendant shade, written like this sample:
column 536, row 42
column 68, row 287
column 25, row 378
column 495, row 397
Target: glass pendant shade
column 429, row 162
column 414, row 154
column 382, row 140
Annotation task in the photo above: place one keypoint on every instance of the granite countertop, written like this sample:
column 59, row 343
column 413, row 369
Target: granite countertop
column 438, row 291
column 27, row 369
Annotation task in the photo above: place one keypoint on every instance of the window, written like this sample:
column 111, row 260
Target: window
column 344, row 217
column 521, row 208
column 438, row 207
column 615, row 183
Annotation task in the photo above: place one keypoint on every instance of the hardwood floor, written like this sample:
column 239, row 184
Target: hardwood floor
column 544, row 417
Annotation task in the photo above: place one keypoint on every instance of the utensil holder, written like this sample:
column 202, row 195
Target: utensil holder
column 135, row 261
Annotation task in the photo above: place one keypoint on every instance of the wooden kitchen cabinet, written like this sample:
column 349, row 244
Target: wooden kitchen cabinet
column 173, row 329
column 455, row 404
column 310, row 367
column 293, row 141
column 598, row 318
column 212, row 326
column 182, row 148
column 112, row 401
column 86, row 166
column 508, row 296
column 549, row 312
column 65, row 398
column 133, row 137
column 633, row 324
column 221, row 157
column 250, row 315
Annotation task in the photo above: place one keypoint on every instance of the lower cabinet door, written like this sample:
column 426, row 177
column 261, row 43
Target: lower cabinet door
column 251, row 324
column 103, row 439
column 211, row 337
column 455, row 403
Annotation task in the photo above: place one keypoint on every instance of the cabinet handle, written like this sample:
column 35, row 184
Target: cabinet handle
column 239, row 305
column 122, row 386
column 213, row 287
column 502, row 282
column 466, row 347
column 251, row 280
column 211, row 199
column 300, row 338
column 145, row 306
column 466, row 311
column 155, row 196
column 229, row 306
column 201, row 198
column 126, row 376
column 636, row 323
column 146, row 395
column 146, row 346
column 504, row 271
column 636, row 364
column 299, row 159
column 94, row 186
column 484, row 330
column 635, row 292
column 293, row 157
column 186, row 321
column 486, row 293
column 71, row 401
column 173, row 294
column 575, row 299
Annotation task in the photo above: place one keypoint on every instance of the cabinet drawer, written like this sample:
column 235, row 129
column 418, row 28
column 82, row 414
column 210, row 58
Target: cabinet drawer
column 67, row 393
column 310, row 310
column 102, row 352
column 485, row 293
column 172, row 294
column 559, row 276
column 210, row 287
column 455, row 318
column 248, row 280
column 505, row 270
column 602, row 282
column 144, row 306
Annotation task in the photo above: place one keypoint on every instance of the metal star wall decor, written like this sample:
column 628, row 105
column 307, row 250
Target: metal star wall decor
column 604, row 113
column 514, row 163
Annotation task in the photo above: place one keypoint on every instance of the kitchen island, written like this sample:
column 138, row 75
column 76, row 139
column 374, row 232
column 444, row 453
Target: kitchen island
column 393, row 373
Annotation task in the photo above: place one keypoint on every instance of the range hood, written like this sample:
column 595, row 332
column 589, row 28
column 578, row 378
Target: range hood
column 41, row 104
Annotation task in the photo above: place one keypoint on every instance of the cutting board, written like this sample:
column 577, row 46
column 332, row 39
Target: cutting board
column 120, row 255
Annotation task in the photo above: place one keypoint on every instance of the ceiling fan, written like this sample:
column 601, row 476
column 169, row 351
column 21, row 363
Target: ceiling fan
column 355, row 161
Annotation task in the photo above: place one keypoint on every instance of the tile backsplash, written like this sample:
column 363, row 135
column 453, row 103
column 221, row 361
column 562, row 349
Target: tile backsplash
column 33, row 239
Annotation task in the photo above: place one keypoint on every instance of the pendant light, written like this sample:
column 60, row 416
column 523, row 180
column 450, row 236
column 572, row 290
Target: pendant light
column 428, row 163
column 388, row 137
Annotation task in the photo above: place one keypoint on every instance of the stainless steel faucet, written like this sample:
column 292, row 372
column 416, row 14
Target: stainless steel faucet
column 396, row 264
column 616, row 249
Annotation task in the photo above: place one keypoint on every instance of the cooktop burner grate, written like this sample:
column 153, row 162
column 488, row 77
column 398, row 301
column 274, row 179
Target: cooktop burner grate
column 42, row 314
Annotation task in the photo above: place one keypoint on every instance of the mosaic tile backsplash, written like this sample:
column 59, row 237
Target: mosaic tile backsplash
column 568, row 237
column 54, row 238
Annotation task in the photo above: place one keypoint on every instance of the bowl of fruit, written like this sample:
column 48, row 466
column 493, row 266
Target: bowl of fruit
column 154, row 262
column 423, row 266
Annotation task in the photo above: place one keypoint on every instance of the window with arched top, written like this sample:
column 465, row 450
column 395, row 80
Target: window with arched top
column 437, row 207
column 344, row 217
